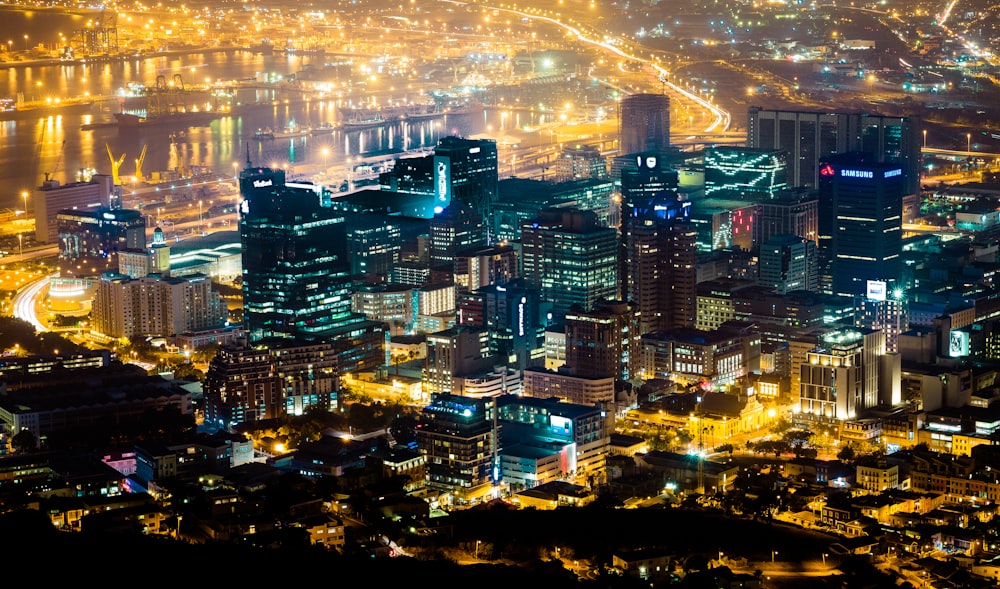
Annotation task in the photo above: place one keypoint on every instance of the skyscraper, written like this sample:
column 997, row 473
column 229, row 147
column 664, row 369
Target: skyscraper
column 644, row 123
column 296, row 272
column 863, row 202
column 465, row 170
column 811, row 137
column 570, row 258
column 604, row 341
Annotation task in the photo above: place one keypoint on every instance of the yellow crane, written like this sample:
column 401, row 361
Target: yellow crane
column 116, row 163
column 138, row 164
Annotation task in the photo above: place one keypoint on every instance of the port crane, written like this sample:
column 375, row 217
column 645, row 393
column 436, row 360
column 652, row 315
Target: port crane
column 138, row 163
column 116, row 164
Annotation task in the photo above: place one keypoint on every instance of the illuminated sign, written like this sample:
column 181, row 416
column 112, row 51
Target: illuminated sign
column 474, row 150
column 262, row 183
column 520, row 316
column 867, row 174
column 109, row 216
column 958, row 344
column 827, row 170
column 443, row 178
column 245, row 207
column 893, row 173
column 876, row 290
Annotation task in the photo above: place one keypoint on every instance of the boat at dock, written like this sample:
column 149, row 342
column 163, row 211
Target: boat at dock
column 191, row 118
column 323, row 129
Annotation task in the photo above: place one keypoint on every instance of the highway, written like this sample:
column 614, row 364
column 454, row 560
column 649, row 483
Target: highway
column 23, row 304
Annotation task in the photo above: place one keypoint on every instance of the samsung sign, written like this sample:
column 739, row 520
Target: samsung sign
column 893, row 173
column 857, row 174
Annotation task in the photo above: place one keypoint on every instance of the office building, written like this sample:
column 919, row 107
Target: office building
column 453, row 353
column 582, row 390
column 723, row 224
column 744, row 173
column 883, row 308
column 603, row 341
column 581, row 434
column 812, row 137
column 644, row 123
column 865, row 202
column 90, row 240
column 580, row 162
column 570, row 258
column 465, row 171
column 722, row 356
column 241, row 388
column 296, row 271
column 789, row 263
column 522, row 199
column 659, row 274
column 458, row 227
column 459, row 442
column 847, row 373
column 52, row 197
column 515, row 318
column 151, row 305
column 793, row 212
column 483, row 266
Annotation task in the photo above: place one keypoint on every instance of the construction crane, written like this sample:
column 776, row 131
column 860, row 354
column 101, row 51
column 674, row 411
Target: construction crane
column 138, row 163
column 116, row 164
column 62, row 149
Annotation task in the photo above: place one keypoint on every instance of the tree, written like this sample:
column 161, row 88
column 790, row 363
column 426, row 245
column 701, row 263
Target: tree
column 726, row 448
column 24, row 441
column 846, row 453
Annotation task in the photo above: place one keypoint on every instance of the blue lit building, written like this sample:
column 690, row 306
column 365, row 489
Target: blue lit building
column 789, row 263
column 459, row 442
column 863, row 202
column 745, row 173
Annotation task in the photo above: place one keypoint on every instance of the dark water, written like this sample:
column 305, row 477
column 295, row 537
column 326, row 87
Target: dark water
column 33, row 146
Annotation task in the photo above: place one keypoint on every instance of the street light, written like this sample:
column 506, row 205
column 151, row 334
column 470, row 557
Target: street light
column 925, row 138
column 773, row 554
column 968, row 142
column 24, row 195
column 20, row 245
column 25, row 42
column 325, row 151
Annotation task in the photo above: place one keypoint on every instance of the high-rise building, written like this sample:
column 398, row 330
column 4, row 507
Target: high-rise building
column 603, row 341
column 453, row 353
column 863, row 204
column 296, row 272
column 513, row 315
column 240, row 387
column 459, row 227
column 465, row 170
column 789, row 263
column 745, row 173
column 459, row 442
column 791, row 213
column 521, row 199
column 883, row 308
column 847, row 373
column 483, row 266
column 52, row 197
column 644, row 121
column 811, row 137
column 127, row 307
column 580, row 162
column 570, row 258
column 662, row 272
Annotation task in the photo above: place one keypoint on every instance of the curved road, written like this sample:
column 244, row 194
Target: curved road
column 23, row 304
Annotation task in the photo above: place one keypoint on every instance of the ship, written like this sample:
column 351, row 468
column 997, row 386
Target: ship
column 289, row 132
column 365, row 122
column 191, row 119
column 324, row 129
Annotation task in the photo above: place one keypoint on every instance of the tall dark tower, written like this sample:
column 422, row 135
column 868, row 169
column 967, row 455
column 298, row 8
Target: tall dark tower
column 656, row 255
column 644, row 121
column 465, row 170
column 864, row 202
column 296, row 272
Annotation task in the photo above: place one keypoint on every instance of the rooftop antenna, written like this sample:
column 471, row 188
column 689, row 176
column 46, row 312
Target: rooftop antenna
column 249, row 165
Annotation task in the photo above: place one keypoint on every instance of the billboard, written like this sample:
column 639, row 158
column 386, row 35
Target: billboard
column 958, row 343
column 876, row 290
column 442, row 180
